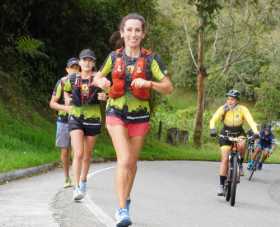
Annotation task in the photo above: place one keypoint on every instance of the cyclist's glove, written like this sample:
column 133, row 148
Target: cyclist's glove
column 213, row 132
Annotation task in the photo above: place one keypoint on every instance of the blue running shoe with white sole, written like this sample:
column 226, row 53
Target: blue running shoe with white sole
column 77, row 194
column 122, row 217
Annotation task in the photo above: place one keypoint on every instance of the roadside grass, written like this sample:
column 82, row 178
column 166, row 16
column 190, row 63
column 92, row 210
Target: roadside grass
column 25, row 142
column 27, row 139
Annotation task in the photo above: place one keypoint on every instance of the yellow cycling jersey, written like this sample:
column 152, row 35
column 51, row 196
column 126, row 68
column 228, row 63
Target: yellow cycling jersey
column 234, row 117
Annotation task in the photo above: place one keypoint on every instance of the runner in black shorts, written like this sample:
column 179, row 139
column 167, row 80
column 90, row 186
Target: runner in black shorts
column 84, row 118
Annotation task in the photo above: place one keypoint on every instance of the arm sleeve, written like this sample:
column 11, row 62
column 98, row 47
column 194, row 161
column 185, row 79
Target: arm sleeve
column 249, row 119
column 107, row 66
column 216, row 117
column 67, row 86
column 158, row 69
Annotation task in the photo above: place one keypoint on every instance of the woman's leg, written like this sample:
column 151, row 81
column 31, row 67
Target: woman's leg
column 224, row 160
column 65, row 158
column 136, row 144
column 122, row 147
column 257, row 150
column 89, row 142
column 77, row 143
column 223, row 168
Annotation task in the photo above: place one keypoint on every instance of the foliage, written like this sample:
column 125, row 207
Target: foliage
column 30, row 46
column 269, row 101
column 39, row 36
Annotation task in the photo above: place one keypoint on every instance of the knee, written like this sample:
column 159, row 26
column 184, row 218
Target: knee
column 78, row 156
column 87, row 158
column 127, row 164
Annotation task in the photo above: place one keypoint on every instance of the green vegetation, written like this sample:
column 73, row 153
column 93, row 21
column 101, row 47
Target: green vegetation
column 25, row 142
column 241, row 50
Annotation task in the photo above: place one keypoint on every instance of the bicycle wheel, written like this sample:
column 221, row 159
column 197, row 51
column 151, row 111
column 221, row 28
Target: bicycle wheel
column 256, row 163
column 228, row 181
column 234, row 180
column 227, row 191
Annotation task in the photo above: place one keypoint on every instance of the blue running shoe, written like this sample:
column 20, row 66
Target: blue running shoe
column 122, row 217
column 83, row 187
column 77, row 194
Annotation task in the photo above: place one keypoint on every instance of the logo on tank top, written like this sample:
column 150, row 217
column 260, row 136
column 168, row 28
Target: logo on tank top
column 130, row 68
column 85, row 89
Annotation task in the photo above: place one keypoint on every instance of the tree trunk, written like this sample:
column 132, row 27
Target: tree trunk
column 201, row 74
column 198, row 129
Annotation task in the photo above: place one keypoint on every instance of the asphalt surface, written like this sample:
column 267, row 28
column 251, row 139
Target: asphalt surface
column 165, row 194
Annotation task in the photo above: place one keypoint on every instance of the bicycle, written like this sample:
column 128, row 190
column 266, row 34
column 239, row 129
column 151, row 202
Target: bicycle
column 250, row 147
column 233, row 176
column 255, row 165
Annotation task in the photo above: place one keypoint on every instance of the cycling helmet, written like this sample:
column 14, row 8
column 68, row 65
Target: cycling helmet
column 233, row 93
column 266, row 127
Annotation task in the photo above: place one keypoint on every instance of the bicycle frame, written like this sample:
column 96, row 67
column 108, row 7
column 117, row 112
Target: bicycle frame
column 233, row 176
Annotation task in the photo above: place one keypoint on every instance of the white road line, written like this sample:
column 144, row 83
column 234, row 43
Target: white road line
column 96, row 210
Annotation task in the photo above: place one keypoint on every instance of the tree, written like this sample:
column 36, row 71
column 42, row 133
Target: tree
column 205, row 13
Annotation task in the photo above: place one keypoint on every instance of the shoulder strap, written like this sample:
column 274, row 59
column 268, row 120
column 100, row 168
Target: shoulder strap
column 117, row 54
column 149, row 56
column 226, row 109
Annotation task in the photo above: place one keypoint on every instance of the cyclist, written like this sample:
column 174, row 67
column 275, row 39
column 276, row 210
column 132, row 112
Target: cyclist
column 62, row 133
column 232, row 115
column 135, row 72
column 265, row 144
column 84, row 118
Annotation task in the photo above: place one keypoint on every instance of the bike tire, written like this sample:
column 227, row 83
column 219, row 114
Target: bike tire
column 252, row 172
column 227, row 191
column 256, row 163
column 234, row 180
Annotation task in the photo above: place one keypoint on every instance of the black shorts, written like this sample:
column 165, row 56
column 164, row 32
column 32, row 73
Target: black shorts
column 230, row 131
column 90, row 126
column 138, row 116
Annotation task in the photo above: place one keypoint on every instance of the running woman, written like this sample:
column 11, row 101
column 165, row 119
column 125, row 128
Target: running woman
column 84, row 118
column 135, row 72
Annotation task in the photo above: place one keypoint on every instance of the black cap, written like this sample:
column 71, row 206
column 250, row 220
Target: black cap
column 87, row 53
column 72, row 61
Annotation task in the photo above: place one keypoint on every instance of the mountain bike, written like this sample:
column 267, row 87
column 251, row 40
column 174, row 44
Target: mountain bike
column 233, row 176
column 250, row 147
column 255, row 165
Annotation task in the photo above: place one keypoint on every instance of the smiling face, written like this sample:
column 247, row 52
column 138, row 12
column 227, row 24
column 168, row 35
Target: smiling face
column 86, row 64
column 231, row 101
column 132, row 33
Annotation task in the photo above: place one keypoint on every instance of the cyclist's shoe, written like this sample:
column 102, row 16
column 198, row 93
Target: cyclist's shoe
column 127, row 204
column 241, row 171
column 221, row 190
column 122, row 217
column 68, row 182
column 250, row 165
column 83, row 187
column 260, row 166
column 77, row 194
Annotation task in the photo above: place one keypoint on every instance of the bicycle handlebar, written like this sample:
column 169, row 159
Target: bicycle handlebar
column 234, row 139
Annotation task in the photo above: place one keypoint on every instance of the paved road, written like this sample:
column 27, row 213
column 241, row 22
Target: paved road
column 166, row 194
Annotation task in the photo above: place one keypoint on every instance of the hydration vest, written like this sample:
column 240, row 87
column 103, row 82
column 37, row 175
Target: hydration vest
column 83, row 93
column 141, row 70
